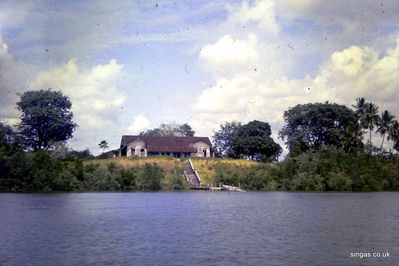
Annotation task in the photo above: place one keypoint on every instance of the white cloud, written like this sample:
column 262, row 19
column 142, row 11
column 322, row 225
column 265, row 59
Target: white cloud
column 230, row 53
column 218, row 99
column 13, row 77
column 93, row 92
column 139, row 124
column 261, row 12
column 363, row 71
column 357, row 71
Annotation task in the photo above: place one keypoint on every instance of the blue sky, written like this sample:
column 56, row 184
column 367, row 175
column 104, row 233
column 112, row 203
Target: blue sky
column 130, row 65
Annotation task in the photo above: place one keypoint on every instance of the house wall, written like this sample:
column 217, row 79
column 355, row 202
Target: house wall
column 134, row 149
column 201, row 147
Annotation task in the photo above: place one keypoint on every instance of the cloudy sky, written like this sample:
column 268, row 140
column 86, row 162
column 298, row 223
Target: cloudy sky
column 129, row 66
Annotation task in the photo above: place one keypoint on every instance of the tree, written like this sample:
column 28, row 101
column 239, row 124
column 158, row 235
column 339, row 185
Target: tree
column 370, row 118
column 309, row 126
column 224, row 138
column 103, row 145
column 46, row 118
column 360, row 106
column 393, row 135
column 8, row 137
column 14, row 163
column 171, row 129
column 185, row 130
column 150, row 177
column 384, row 125
column 353, row 138
column 253, row 141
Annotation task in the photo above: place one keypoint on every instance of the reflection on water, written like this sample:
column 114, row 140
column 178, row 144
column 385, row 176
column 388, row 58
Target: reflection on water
column 197, row 228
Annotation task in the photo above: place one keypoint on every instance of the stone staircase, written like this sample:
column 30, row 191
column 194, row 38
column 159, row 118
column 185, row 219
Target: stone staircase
column 190, row 174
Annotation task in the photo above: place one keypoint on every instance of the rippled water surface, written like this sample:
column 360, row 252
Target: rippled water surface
column 198, row 228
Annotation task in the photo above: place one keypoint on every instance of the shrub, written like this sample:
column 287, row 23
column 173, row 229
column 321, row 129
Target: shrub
column 339, row 181
column 150, row 178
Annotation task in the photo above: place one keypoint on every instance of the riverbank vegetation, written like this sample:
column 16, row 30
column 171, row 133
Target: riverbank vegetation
column 330, row 148
column 43, row 171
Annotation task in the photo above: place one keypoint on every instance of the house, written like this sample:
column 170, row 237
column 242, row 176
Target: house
column 178, row 147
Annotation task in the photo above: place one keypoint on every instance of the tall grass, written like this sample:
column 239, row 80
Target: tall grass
column 166, row 163
column 207, row 167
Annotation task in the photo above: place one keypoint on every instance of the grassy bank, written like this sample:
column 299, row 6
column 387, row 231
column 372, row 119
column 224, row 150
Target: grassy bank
column 165, row 163
column 210, row 169
column 213, row 171
column 169, row 170
column 248, row 174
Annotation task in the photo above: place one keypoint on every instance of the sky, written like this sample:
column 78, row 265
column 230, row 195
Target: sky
column 128, row 66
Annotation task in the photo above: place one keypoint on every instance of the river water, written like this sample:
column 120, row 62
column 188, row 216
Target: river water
column 199, row 228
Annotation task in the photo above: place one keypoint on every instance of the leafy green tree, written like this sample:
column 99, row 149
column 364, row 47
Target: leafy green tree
column 223, row 139
column 103, row 145
column 254, row 141
column 152, row 132
column 177, row 179
column 9, row 138
column 185, row 130
column 14, row 165
column 171, row 129
column 384, row 125
column 311, row 125
column 46, row 118
column 44, row 171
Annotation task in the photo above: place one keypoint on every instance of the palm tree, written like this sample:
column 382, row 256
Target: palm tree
column 370, row 117
column 353, row 140
column 103, row 145
column 355, row 132
column 360, row 106
column 393, row 134
column 385, row 124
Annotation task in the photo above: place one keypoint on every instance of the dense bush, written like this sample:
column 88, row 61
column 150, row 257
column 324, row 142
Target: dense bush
column 331, row 169
column 150, row 178
column 45, row 172
column 14, row 170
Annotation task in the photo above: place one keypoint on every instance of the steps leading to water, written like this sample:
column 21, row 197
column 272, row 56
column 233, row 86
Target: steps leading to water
column 193, row 178
column 190, row 174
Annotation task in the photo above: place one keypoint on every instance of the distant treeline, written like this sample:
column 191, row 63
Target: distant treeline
column 327, row 152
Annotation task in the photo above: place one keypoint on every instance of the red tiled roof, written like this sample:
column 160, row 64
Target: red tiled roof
column 166, row 144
